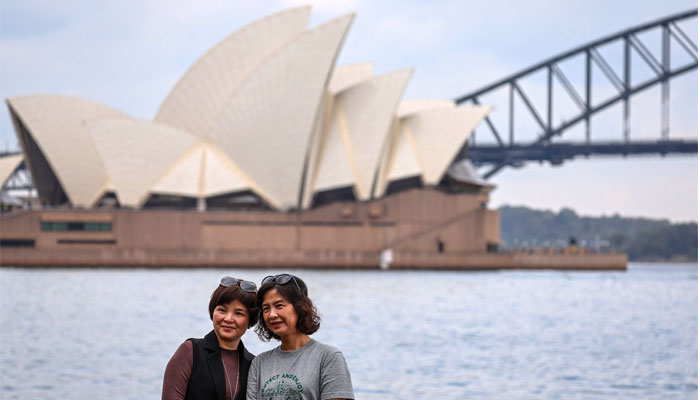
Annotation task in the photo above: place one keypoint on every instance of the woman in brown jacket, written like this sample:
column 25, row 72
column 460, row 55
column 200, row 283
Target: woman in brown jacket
column 216, row 366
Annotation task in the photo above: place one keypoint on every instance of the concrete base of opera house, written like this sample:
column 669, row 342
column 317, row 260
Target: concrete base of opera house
column 152, row 258
column 424, row 228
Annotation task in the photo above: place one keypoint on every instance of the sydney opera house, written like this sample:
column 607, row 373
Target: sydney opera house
column 265, row 153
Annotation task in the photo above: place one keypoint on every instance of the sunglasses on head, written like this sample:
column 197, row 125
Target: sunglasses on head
column 248, row 286
column 282, row 279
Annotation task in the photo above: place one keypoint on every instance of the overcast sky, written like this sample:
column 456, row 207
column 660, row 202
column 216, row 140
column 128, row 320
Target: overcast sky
column 129, row 54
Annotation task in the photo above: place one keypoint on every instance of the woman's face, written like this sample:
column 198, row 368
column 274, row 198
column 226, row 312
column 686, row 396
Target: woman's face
column 279, row 314
column 230, row 322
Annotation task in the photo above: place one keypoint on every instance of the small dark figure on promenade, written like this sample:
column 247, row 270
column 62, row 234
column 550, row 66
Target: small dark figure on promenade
column 572, row 241
column 440, row 244
column 216, row 366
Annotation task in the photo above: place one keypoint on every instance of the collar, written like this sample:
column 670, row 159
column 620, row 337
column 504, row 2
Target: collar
column 211, row 343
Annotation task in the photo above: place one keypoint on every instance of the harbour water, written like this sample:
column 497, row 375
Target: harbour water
column 108, row 333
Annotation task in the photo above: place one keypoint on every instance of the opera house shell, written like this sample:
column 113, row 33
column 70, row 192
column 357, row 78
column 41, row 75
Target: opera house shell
column 284, row 150
column 265, row 112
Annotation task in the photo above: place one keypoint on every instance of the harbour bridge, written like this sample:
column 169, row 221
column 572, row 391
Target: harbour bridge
column 513, row 147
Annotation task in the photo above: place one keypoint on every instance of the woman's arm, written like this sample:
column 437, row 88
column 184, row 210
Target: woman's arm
column 252, row 391
column 177, row 373
column 335, row 378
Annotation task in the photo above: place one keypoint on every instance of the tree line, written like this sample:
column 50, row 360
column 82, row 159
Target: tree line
column 642, row 239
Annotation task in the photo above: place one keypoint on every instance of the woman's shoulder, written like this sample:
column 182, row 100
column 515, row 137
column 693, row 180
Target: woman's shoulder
column 190, row 343
column 329, row 358
column 183, row 354
column 186, row 346
column 265, row 355
column 199, row 341
column 246, row 354
column 325, row 348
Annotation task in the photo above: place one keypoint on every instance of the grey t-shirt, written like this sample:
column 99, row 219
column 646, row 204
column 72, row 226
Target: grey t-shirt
column 315, row 372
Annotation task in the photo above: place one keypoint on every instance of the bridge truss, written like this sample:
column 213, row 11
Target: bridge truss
column 503, row 152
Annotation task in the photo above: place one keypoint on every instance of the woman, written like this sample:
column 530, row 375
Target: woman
column 300, row 368
column 216, row 367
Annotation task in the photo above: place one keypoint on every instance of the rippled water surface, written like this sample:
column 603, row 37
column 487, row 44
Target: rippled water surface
column 108, row 333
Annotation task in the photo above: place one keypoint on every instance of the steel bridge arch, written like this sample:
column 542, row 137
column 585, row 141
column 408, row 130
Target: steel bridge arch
column 511, row 153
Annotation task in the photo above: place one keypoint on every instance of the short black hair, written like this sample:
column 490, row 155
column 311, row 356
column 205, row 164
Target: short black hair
column 225, row 295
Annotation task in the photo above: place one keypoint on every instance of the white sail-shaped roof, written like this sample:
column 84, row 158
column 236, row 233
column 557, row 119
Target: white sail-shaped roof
column 199, row 96
column 220, row 175
column 405, row 162
column 266, row 126
column 56, row 123
column 348, row 75
column 464, row 171
column 411, row 106
column 184, row 177
column 264, row 110
column 136, row 154
column 342, row 78
column 8, row 165
column 439, row 134
column 333, row 168
column 362, row 117
column 399, row 159
column 200, row 172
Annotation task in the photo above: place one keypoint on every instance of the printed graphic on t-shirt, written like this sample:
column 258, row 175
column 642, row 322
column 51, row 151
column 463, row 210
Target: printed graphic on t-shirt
column 282, row 387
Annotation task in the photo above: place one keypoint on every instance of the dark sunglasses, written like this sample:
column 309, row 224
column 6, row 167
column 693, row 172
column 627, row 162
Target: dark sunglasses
column 282, row 279
column 248, row 286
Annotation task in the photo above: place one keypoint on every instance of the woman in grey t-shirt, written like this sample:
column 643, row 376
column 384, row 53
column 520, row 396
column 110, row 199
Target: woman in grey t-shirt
column 300, row 367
